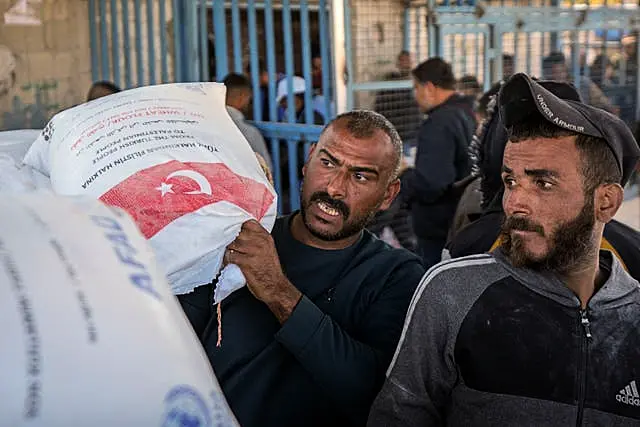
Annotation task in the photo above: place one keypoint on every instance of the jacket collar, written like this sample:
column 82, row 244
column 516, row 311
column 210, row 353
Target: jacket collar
column 617, row 290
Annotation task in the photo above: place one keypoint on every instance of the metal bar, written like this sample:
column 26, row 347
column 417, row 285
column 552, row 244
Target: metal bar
column 271, row 71
column 204, row 41
column 151, row 49
column 406, row 42
column 306, row 60
column 289, row 131
column 115, row 43
column 341, row 32
column 254, row 61
column 637, row 112
column 431, row 29
column 476, row 39
column 288, row 61
column 164, row 66
column 193, row 42
column 139, row 59
column 418, row 29
column 93, row 41
column 177, row 42
column 104, row 41
column 220, row 34
column 575, row 58
column 237, row 37
column 326, row 59
column 277, row 179
column 382, row 85
column 126, row 43
column 292, row 153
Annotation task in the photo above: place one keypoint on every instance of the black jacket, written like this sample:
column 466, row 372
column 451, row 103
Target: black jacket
column 326, row 363
column 441, row 159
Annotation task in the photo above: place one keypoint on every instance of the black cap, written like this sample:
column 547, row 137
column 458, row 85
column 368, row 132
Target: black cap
column 522, row 96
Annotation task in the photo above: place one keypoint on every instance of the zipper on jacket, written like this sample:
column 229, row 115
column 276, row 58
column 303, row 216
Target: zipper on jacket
column 582, row 372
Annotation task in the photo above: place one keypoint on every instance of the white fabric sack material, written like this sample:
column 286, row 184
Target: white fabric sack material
column 92, row 334
column 16, row 143
column 15, row 177
column 171, row 157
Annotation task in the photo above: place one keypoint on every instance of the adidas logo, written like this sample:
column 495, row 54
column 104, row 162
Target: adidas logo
column 629, row 395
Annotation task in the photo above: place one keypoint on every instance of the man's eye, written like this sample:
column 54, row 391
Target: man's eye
column 508, row 182
column 326, row 163
column 545, row 185
column 360, row 177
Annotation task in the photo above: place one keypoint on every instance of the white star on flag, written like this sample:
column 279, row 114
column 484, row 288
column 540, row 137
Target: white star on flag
column 165, row 188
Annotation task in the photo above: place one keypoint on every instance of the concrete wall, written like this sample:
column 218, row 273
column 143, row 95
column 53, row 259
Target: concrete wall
column 52, row 60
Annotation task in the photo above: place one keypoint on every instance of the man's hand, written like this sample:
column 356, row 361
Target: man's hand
column 255, row 253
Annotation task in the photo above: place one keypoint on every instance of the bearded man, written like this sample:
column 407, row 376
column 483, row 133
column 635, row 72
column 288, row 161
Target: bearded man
column 546, row 329
column 307, row 342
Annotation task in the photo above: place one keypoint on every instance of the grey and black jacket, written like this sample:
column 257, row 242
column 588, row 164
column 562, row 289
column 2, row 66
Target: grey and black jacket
column 487, row 344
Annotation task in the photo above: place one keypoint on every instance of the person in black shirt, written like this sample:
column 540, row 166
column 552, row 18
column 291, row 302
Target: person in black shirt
column 442, row 156
column 307, row 342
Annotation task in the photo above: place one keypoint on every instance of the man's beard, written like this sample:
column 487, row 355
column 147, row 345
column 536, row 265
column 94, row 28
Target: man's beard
column 571, row 243
column 351, row 226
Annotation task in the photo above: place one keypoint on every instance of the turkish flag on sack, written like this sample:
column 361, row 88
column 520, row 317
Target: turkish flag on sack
column 158, row 195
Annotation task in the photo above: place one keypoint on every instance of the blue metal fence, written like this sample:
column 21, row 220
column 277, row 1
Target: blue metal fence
column 211, row 38
column 272, row 41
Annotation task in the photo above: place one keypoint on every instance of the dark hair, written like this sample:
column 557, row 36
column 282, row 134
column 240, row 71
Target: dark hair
column 404, row 53
column 236, row 81
column 364, row 123
column 436, row 71
column 469, row 82
column 599, row 165
column 111, row 88
column 507, row 59
column 483, row 101
column 554, row 58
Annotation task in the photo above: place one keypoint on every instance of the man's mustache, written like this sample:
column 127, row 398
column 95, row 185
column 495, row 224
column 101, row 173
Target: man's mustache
column 516, row 223
column 339, row 205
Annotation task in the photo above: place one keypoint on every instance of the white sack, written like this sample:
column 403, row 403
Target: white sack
column 171, row 157
column 92, row 334
column 16, row 143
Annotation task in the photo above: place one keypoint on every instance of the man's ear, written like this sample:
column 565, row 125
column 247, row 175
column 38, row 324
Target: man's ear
column 390, row 194
column 607, row 200
column 306, row 162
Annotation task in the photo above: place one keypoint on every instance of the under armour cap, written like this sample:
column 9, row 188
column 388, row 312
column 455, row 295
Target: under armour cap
column 522, row 96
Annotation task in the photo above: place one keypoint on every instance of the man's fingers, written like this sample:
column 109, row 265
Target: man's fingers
column 253, row 225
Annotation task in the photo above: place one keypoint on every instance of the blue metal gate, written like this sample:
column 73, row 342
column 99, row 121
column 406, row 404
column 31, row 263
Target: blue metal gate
column 138, row 42
column 142, row 42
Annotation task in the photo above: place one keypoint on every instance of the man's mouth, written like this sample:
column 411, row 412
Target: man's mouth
column 327, row 209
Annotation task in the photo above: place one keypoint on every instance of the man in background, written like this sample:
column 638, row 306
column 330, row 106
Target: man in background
column 239, row 95
column 442, row 156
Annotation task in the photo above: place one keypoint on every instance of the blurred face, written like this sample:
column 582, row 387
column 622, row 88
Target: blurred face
column 404, row 63
column 424, row 94
column 559, row 73
column 346, row 182
column 549, row 222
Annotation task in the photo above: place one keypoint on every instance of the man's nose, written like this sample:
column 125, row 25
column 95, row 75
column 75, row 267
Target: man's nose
column 337, row 186
column 516, row 202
